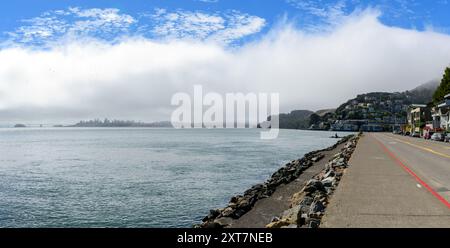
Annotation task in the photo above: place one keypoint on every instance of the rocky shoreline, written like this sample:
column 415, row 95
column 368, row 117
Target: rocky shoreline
column 309, row 204
column 241, row 204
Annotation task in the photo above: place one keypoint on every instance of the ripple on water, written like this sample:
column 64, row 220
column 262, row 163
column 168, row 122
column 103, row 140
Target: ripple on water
column 134, row 177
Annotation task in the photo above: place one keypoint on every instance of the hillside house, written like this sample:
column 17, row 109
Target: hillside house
column 441, row 115
column 417, row 116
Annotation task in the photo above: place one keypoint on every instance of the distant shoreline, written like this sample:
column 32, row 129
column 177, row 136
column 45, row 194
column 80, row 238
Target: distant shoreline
column 168, row 127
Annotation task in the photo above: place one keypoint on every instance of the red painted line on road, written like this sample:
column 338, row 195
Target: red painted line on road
column 407, row 169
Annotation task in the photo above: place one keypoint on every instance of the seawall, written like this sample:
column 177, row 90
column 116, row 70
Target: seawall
column 285, row 189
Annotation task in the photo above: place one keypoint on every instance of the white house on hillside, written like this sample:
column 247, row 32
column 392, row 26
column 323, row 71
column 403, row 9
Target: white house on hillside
column 441, row 114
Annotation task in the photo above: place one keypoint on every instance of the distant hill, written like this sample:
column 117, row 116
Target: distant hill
column 431, row 85
column 377, row 105
column 423, row 93
column 323, row 112
column 297, row 119
column 382, row 107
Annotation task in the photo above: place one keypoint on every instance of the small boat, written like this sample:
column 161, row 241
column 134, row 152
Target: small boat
column 335, row 137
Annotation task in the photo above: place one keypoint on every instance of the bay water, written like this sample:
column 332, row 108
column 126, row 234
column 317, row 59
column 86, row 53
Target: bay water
column 135, row 177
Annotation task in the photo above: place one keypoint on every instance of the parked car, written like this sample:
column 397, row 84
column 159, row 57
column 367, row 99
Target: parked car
column 447, row 137
column 438, row 137
column 415, row 134
column 428, row 135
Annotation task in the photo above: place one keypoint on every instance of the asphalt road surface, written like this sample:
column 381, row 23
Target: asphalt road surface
column 393, row 181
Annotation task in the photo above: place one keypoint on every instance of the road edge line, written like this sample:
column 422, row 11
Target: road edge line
column 414, row 175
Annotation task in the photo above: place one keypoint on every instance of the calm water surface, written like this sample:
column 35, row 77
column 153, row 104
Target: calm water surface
column 134, row 177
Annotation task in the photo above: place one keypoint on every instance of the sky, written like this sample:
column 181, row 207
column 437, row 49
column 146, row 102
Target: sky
column 62, row 61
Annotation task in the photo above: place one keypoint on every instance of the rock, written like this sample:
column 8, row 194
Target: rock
column 301, row 220
column 224, row 221
column 330, row 173
column 314, row 182
column 291, row 214
column 313, row 185
column 339, row 163
column 308, row 164
column 257, row 186
column 238, row 213
column 213, row 213
column 313, row 223
column 317, row 158
column 304, row 207
column 227, row 212
column 274, row 219
column 291, row 170
column 278, row 224
column 337, row 155
column 307, row 201
column 244, row 203
column 262, row 196
column 234, row 199
column 310, row 189
column 232, row 205
column 328, row 182
column 211, row 225
column 316, row 207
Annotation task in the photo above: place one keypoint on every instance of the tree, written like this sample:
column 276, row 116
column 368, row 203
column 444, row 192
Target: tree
column 314, row 119
column 444, row 88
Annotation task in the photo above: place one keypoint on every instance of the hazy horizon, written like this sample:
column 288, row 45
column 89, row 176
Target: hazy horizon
column 72, row 121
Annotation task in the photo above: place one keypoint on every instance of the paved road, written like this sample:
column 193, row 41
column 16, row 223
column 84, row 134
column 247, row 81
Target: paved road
column 429, row 160
column 393, row 181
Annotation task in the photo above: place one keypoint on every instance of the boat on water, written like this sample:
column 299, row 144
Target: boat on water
column 335, row 136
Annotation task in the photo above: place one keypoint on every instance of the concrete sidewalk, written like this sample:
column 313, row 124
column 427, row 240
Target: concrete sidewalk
column 377, row 192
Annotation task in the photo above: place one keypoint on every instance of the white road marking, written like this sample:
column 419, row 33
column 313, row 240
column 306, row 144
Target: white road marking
column 378, row 157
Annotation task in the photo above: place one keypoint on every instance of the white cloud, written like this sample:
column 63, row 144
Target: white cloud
column 331, row 12
column 39, row 28
column 108, row 24
column 239, row 26
column 218, row 27
column 107, row 20
column 182, row 24
column 54, row 25
column 136, row 78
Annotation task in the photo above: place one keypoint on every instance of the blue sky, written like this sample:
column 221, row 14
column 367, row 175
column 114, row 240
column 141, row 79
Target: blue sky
column 21, row 18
